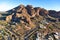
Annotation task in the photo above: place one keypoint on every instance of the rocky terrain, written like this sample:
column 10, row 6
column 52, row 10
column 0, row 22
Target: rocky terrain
column 22, row 19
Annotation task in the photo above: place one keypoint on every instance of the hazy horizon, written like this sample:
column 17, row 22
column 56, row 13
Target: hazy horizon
column 47, row 4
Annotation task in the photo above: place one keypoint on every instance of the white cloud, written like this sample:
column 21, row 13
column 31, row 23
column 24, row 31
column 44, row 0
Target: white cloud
column 5, row 7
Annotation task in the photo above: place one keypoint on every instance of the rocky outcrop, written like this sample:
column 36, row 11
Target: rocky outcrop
column 9, row 18
column 54, row 13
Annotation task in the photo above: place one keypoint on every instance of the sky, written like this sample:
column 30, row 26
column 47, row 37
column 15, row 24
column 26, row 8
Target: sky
column 47, row 4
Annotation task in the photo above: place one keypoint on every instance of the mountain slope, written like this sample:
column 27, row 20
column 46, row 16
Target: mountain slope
column 22, row 19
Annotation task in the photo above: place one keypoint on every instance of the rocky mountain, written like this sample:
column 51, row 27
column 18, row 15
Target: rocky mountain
column 23, row 20
column 31, row 11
